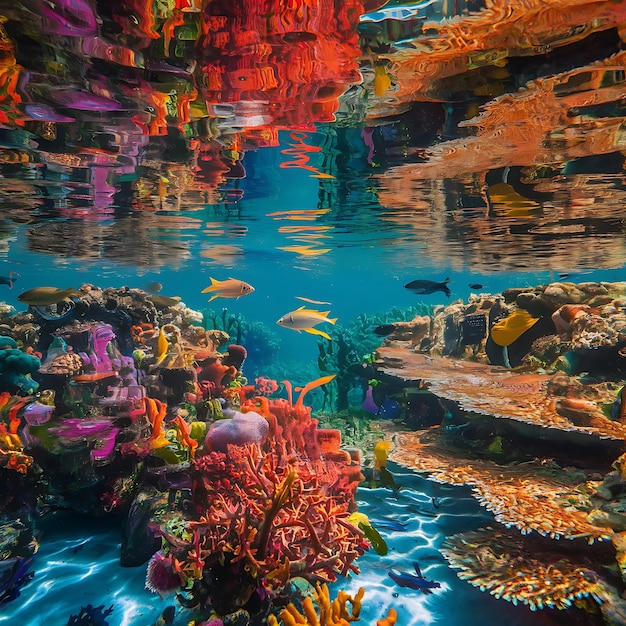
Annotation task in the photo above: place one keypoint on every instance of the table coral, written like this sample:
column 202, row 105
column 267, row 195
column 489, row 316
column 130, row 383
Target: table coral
column 530, row 496
column 487, row 390
column 496, row 561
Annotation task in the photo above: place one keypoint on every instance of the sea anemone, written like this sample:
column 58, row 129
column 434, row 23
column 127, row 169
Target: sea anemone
column 161, row 577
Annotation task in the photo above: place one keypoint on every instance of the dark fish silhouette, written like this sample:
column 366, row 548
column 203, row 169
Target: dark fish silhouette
column 428, row 286
column 414, row 581
column 153, row 287
column 384, row 329
column 164, row 302
column 475, row 286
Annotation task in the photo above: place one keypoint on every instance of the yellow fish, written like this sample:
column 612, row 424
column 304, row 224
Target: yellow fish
column 231, row 288
column 305, row 319
column 361, row 521
column 161, row 347
column 45, row 296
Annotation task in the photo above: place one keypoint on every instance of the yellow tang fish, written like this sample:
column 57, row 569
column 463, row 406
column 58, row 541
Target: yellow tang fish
column 161, row 347
column 305, row 319
column 231, row 288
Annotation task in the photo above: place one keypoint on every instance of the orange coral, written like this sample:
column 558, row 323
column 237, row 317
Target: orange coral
column 331, row 613
column 12, row 454
column 531, row 574
column 155, row 411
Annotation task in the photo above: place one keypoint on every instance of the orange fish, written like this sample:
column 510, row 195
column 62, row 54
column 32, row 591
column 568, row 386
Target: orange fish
column 231, row 288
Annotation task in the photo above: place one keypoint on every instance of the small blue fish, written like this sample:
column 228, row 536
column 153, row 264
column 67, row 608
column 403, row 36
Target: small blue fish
column 389, row 409
column 414, row 581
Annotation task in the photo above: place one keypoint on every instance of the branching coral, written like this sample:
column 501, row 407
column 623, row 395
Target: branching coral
column 267, row 512
column 262, row 509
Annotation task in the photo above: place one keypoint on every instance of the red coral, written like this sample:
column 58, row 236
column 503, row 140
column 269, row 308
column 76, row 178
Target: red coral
column 285, row 504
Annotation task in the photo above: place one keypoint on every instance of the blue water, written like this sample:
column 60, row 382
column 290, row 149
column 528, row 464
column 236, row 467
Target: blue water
column 368, row 258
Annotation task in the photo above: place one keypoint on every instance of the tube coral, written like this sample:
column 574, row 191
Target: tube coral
column 329, row 613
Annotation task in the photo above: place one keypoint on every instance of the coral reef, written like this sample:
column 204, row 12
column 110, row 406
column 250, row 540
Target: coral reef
column 548, row 401
column 144, row 414
column 260, row 517
column 260, row 341
column 531, row 496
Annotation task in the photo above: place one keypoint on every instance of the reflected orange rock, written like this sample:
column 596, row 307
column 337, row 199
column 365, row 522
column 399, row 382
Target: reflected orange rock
column 489, row 37
column 544, row 123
